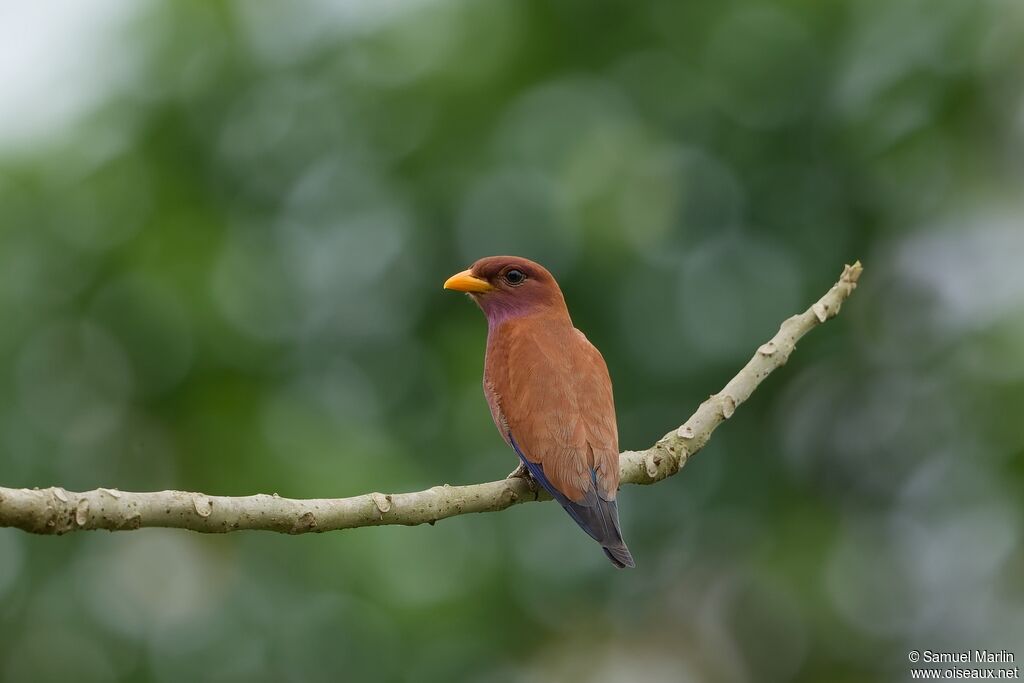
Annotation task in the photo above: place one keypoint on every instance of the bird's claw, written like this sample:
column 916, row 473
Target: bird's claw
column 519, row 473
column 522, row 473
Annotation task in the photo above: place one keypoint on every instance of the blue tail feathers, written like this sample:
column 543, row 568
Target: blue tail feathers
column 620, row 556
column 595, row 515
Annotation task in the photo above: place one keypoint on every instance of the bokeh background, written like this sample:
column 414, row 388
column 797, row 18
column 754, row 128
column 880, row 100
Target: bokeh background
column 223, row 232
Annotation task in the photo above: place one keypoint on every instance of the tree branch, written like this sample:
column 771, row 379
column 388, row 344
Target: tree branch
column 56, row 511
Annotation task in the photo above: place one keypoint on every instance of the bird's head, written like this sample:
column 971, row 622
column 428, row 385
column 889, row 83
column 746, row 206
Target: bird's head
column 509, row 286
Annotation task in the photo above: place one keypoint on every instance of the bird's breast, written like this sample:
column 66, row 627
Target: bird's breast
column 494, row 403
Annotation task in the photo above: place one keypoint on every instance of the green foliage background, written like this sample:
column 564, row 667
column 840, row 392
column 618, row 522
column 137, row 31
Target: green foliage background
column 225, row 275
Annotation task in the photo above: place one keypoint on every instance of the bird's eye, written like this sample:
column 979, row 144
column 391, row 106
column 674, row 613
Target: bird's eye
column 515, row 277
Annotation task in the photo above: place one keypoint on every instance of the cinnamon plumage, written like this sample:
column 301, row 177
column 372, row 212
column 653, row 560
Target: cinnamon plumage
column 550, row 393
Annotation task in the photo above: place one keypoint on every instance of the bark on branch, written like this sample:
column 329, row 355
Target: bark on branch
column 56, row 511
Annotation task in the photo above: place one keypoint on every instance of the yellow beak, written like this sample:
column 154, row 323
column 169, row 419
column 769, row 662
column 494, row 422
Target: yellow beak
column 467, row 282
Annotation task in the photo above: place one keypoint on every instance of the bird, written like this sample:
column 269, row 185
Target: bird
column 550, row 393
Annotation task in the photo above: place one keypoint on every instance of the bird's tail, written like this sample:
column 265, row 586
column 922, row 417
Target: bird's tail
column 595, row 515
column 619, row 555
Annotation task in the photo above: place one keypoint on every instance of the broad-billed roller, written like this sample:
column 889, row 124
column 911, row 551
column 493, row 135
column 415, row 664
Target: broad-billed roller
column 550, row 393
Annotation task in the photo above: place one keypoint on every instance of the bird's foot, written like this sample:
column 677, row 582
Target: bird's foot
column 519, row 473
column 522, row 473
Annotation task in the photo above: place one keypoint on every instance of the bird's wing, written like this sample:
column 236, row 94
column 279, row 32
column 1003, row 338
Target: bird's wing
column 557, row 403
column 597, row 408
column 549, row 387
